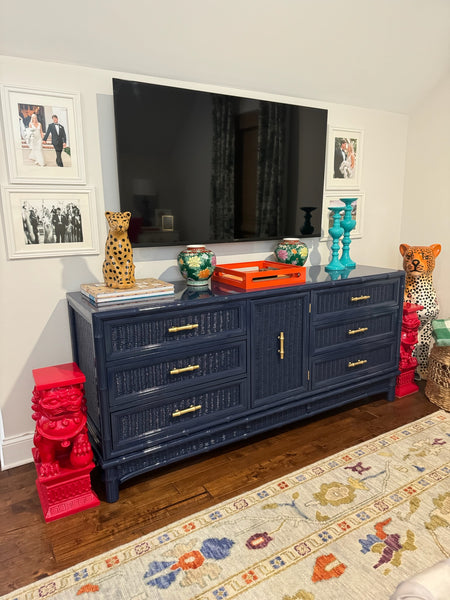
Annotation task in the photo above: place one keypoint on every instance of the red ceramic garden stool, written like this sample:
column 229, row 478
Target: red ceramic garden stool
column 407, row 366
column 62, row 453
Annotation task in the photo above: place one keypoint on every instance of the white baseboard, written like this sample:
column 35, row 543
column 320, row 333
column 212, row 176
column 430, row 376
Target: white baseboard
column 16, row 451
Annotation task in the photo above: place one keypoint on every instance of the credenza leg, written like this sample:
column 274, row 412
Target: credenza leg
column 111, row 485
column 391, row 392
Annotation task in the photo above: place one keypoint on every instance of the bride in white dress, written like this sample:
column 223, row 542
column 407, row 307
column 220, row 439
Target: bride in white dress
column 33, row 136
column 347, row 167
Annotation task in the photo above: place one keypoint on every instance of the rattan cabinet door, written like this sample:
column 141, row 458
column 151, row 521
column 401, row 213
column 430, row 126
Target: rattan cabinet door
column 278, row 345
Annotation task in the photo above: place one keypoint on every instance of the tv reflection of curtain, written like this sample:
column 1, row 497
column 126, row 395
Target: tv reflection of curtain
column 271, row 158
column 222, row 177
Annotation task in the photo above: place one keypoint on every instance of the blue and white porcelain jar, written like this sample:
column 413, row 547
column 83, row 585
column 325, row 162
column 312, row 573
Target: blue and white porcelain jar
column 196, row 264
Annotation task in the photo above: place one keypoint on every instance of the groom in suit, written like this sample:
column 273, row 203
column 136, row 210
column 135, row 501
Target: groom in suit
column 59, row 223
column 58, row 138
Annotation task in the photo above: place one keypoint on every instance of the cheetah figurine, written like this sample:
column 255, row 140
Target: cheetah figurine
column 418, row 263
column 118, row 266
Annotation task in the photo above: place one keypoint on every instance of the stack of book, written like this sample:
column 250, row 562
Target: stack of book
column 143, row 289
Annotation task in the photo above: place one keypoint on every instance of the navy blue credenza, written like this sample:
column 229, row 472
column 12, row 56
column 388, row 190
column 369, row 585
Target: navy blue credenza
column 176, row 376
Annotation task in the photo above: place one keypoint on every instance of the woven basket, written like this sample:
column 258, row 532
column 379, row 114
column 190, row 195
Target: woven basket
column 437, row 388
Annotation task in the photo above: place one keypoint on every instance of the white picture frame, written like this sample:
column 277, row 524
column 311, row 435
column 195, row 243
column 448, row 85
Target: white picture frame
column 344, row 158
column 23, row 157
column 166, row 222
column 35, row 229
column 334, row 199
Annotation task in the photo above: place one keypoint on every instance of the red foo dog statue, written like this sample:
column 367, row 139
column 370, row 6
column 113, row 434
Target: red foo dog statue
column 61, row 437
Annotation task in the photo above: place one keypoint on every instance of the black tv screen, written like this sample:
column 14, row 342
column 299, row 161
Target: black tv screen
column 201, row 167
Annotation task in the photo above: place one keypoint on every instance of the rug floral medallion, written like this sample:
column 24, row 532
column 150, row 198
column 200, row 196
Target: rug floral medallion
column 351, row 526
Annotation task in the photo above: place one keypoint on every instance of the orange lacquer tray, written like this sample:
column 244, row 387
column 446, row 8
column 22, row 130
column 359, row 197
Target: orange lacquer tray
column 259, row 274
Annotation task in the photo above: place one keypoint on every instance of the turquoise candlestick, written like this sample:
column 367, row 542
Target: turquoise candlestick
column 348, row 224
column 335, row 231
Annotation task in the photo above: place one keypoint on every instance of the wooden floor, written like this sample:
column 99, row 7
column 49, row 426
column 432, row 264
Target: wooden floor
column 31, row 549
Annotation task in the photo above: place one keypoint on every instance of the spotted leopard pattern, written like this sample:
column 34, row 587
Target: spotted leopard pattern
column 419, row 263
column 118, row 266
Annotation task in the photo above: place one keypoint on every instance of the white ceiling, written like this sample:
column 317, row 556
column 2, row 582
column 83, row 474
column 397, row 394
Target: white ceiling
column 385, row 54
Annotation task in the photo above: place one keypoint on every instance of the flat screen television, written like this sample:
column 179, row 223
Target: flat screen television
column 201, row 167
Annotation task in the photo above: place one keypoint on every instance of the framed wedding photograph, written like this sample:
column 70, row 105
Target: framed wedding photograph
column 334, row 199
column 49, row 221
column 344, row 159
column 43, row 136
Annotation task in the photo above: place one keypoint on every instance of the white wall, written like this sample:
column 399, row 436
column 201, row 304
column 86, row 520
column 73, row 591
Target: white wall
column 35, row 329
column 426, row 214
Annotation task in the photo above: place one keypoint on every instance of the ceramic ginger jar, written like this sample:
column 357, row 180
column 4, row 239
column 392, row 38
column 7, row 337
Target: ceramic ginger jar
column 291, row 251
column 196, row 264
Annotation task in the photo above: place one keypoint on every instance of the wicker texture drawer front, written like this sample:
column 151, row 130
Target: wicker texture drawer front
column 354, row 297
column 358, row 329
column 363, row 359
column 170, row 417
column 175, row 371
column 125, row 337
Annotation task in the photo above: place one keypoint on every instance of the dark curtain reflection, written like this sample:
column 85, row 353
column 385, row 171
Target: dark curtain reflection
column 223, row 169
column 271, row 159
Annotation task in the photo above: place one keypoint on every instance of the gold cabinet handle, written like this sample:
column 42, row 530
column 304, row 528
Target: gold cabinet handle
column 178, row 413
column 281, row 349
column 183, row 327
column 360, row 330
column 359, row 298
column 184, row 369
column 357, row 363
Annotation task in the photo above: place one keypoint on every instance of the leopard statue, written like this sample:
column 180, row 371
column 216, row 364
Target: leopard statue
column 118, row 266
column 61, row 437
column 418, row 264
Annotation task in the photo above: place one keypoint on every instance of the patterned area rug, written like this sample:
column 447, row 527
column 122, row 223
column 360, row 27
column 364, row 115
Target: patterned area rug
column 351, row 526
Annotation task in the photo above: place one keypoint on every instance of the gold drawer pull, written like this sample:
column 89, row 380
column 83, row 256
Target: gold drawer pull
column 281, row 349
column 184, row 369
column 178, row 413
column 357, row 363
column 358, row 298
column 360, row 330
column 183, row 328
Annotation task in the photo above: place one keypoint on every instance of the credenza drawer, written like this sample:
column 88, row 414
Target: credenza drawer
column 355, row 297
column 174, row 416
column 127, row 337
column 347, row 365
column 174, row 371
column 362, row 328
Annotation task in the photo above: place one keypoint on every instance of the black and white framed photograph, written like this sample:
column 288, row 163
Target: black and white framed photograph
column 43, row 136
column 334, row 199
column 49, row 221
column 344, row 159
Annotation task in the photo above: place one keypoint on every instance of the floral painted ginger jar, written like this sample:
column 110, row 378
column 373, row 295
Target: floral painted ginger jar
column 196, row 264
column 291, row 251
